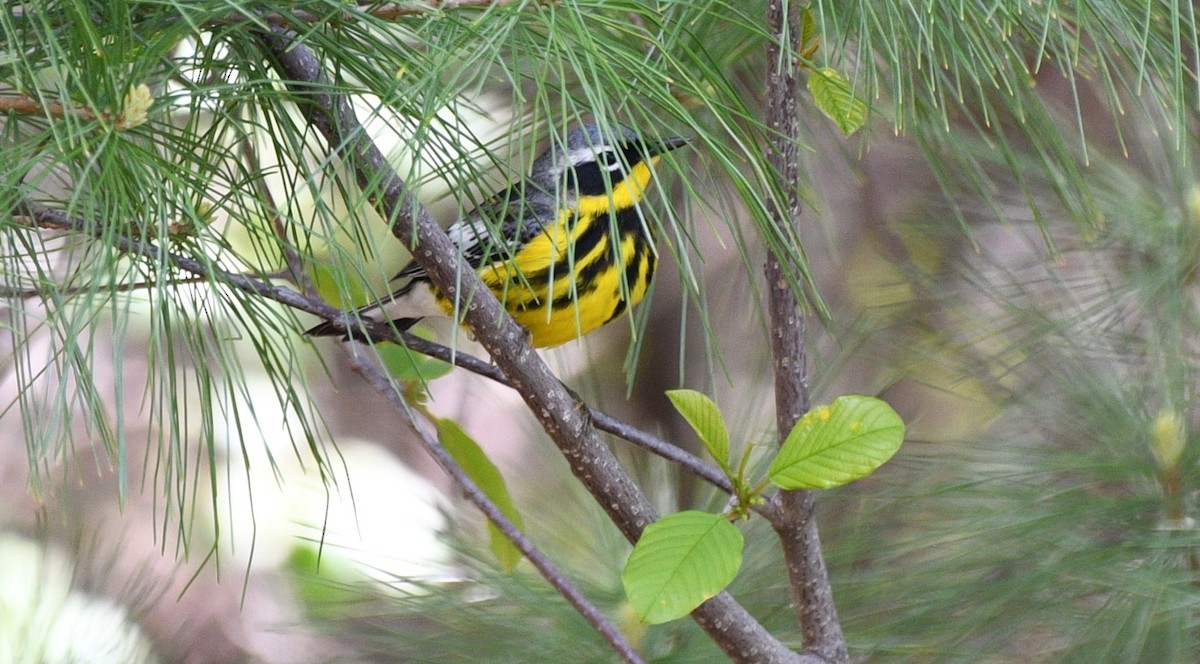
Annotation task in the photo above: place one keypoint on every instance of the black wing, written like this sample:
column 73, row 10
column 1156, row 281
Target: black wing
column 517, row 216
column 516, row 219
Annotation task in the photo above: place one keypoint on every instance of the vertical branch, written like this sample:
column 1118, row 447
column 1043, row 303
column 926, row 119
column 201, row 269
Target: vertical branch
column 797, row 529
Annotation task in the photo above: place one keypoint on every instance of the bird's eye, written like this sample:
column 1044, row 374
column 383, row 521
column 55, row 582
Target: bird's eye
column 609, row 160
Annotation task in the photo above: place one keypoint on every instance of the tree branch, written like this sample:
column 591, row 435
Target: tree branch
column 22, row 105
column 42, row 217
column 479, row 499
column 600, row 419
column 797, row 531
column 726, row 621
column 46, row 218
column 131, row 114
column 389, row 12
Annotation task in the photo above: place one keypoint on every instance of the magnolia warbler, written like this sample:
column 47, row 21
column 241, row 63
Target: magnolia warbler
column 571, row 250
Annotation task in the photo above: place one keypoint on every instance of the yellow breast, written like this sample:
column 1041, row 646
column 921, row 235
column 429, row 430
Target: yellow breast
column 586, row 269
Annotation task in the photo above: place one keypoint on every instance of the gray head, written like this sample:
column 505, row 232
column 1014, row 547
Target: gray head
column 593, row 160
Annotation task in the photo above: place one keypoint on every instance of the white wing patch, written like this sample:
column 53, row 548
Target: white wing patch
column 465, row 233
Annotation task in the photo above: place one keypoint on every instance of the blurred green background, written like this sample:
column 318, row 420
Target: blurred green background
column 1006, row 253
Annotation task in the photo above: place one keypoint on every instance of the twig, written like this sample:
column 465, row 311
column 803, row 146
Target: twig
column 388, row 12
column 30, row 293
column 476, row 497
column 797, row 531
column 291, row 256
column 733, row 629
column 46, row 218
column 378, row 332
column 133, row 111
column 602, row 421
column 23, row 105
column 43, row 217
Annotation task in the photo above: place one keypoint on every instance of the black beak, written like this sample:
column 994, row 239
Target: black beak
column 661, row 146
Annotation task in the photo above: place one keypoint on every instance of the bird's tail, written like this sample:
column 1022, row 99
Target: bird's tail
column 329, row 329
column 326, row 329
column 353, row 332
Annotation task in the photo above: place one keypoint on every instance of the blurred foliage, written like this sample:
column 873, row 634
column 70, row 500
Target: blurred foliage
column 1022, row 289
column 1061, row 526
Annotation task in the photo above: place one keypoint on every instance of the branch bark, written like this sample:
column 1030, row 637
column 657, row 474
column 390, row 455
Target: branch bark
column 733, row 629
column 479, row 499
column 797, row 530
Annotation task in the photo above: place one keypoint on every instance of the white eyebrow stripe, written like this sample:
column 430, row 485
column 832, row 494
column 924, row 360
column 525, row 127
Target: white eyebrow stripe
column 580, row 155
column 587, row 154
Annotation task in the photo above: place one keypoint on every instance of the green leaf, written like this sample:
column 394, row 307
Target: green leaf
column 706, row 419
column 835, row 97
column 329, row 287
column 467, row 454
column 808, row 29
column 405, row 365
column 680, row 561
column 839, row 443
column 322, row 580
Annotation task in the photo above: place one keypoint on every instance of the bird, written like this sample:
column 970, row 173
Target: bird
column 565, row 250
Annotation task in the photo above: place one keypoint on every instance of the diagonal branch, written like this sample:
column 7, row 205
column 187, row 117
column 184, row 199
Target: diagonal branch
column 726, row 621
column 797, row 530
column 600, row 419
column 42, row 217
column 479, row 499
column 47, row 218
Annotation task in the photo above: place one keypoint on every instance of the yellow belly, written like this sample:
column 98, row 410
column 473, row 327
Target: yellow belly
column 586, row 269
column 569, row 282
column 558, row 302
column 574, row 311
